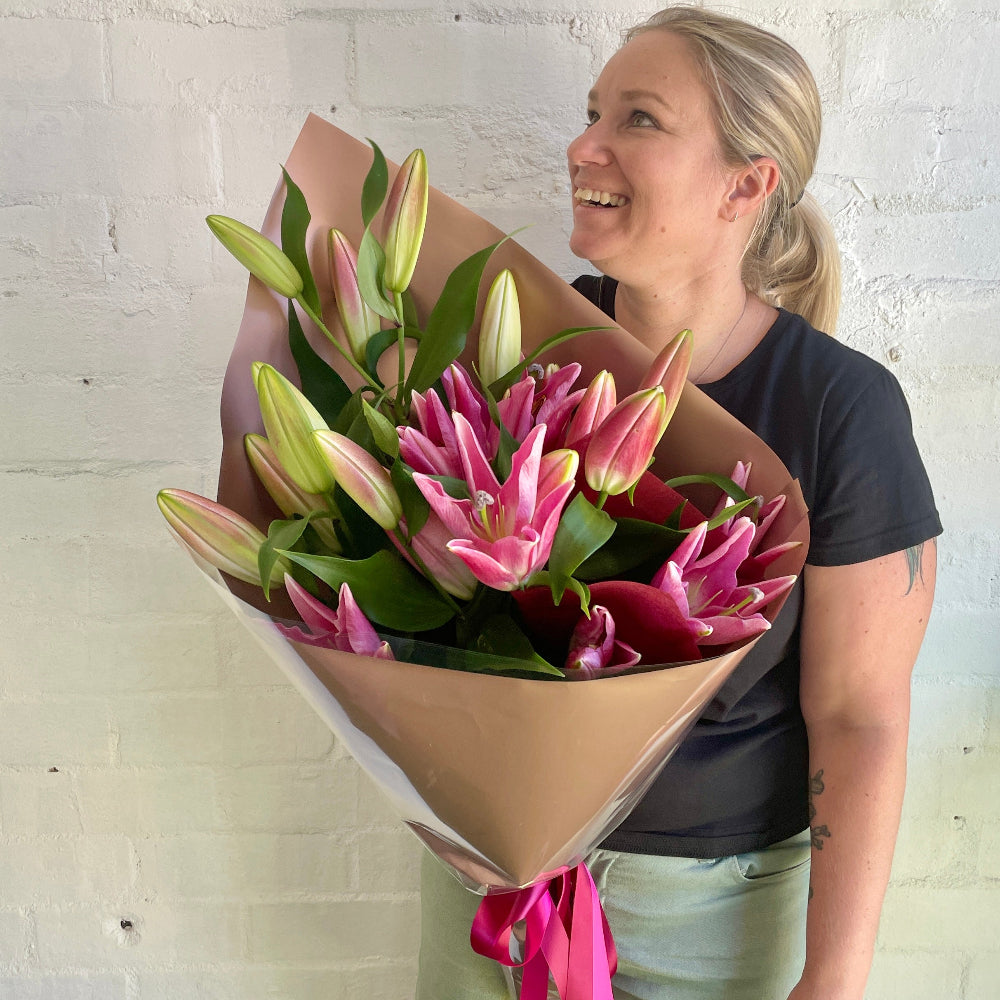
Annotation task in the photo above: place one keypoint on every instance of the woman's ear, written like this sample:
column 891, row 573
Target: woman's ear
column 750, row 187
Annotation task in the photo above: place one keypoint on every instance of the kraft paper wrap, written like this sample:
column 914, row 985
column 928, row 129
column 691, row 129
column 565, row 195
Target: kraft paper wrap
column 505, row 779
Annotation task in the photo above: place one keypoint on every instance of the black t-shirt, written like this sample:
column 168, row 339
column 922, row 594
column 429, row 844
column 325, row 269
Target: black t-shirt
column 840, row 423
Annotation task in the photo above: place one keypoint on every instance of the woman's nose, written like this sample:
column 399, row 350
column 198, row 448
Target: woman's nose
column 589, row 147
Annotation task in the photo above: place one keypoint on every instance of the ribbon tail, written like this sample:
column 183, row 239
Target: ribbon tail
column 593, row 958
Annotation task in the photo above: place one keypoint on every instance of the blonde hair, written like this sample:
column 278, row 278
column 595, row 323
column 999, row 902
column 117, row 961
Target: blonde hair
column 767, row 104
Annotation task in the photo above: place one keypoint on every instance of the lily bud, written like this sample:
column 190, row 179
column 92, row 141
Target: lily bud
column 288, row 496
column 621, row 448
column 258, row 255
column 670, row 369
column 289, row 420
column 358, row 320
column 500, row 329
column 218, row 535
column 360, row 477
column 598, row 401
column 405, row 215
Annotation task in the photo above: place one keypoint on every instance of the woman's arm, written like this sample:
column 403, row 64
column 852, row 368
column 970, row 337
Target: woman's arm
column 861, row 629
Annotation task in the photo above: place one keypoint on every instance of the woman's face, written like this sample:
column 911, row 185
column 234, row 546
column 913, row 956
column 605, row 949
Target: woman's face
column 650, row 157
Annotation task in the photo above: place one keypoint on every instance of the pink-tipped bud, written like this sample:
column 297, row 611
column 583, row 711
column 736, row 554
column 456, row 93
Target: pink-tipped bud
column 361, row 478
column 283, row 490
column 358, row 321
column 218, row 535
column 405, row 215
column 598, row 401
column 622, row 447
column 670, row 369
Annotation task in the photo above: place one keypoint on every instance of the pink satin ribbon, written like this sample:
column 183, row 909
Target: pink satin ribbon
column 566, row 935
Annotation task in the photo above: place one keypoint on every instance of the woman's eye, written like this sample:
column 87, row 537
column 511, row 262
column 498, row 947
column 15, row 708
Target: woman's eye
column 642, row 118
column 592, row 117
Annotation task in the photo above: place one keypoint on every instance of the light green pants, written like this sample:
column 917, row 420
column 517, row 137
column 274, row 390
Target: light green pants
column 727, row 929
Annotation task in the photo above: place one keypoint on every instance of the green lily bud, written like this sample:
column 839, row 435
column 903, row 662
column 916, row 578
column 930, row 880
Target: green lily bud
column 405, row 215
column 289, row 498
column 258, row 255
column 289, row 420
column 500, row 329
column 218, row 535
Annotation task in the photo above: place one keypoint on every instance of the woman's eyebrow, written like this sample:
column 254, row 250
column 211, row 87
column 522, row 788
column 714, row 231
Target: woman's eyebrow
column 635, row 95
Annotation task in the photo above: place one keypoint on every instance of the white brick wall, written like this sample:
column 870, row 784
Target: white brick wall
column 154, row 768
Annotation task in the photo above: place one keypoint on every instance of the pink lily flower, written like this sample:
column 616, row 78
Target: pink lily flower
column 465, row 398
column 593, row 648
column 599, row 399
column 346, row 629
column 431, row 447
column 704, row 586
column 505, row 533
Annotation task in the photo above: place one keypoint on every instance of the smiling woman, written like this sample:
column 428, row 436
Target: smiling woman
column 689, row 196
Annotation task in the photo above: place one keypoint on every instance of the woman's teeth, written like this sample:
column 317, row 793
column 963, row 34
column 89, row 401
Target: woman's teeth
column 599, row 197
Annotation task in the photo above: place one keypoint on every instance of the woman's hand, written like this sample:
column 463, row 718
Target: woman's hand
column 862, row 626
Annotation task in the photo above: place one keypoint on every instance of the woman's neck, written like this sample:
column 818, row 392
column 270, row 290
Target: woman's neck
column 726, row 321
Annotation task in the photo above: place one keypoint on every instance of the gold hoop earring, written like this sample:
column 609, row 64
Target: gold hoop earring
column 735, row 217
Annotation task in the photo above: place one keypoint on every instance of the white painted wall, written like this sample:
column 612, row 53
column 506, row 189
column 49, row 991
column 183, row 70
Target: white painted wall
column 153, row 766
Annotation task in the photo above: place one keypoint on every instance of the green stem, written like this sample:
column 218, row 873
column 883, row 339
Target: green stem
column 602, row 499
column 348, row 357
column 401, row 403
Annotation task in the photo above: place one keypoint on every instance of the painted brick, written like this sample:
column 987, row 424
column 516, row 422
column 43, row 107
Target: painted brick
column 898, row 976
column 38, row 803
column 53, row 734
column 185, row 933
column 937, row 847
column 946, row 717
column 960, row 643
column 149, row 801
column 289, row 798
column 970, row 784
column 253, row 146
column 44, row 870
column 234, row 728
column 467, row 59
column 14, row 938
column 984, row 974
column 52, row 151
column 70, row 71
column 920, row 63
column 331, row 932
column 960, row 494
column 937, row 920
column 389, row 858
column 968, row 563
column 301, row 62
column 234, row 866
column 923, row 246
column 245, row 663
column 33, row 574
column 106, row 986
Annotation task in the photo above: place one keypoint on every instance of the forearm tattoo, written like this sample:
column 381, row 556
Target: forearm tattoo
column 915, row 563
column 817, row 832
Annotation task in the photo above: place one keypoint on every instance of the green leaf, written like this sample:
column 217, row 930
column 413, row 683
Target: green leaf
column 634, row 542
column 323, row 387
column 710, row 479
column 388, row 591
column 501, row 636
column 582, row 530
column 380, row 342
column 382, row 428
column 363, row 536
column 543, row 578
column 457, row 489
column 450, row 321
column 727, row 513
column 371, row 271
column 502, row 384
column 281, row 535
column 295, row 219
column 416, row 509
column 375, row 186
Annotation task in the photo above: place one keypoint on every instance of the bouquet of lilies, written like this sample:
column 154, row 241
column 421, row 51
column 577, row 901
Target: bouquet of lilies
column 465, row 509
column 427, row 493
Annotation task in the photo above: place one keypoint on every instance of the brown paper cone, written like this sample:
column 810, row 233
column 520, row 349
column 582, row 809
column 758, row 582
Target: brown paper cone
column 507, row 779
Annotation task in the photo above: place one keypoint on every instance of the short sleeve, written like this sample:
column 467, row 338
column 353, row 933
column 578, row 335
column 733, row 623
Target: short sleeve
column 872, row 494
